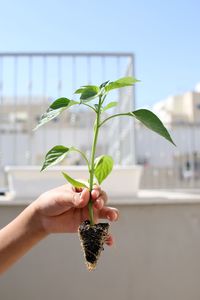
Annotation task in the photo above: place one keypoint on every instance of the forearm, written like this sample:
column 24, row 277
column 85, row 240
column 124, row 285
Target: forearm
column 19, row 236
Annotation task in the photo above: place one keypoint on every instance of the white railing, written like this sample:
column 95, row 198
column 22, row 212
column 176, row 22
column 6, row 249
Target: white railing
column 28, row 84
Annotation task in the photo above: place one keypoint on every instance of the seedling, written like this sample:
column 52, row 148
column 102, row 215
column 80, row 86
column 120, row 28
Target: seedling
column 93, row 235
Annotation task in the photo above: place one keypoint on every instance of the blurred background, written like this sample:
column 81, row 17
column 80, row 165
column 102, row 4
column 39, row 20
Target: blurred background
column 48, row 49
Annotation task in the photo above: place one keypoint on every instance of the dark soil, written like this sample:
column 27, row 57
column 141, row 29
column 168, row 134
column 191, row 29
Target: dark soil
column 92, row 241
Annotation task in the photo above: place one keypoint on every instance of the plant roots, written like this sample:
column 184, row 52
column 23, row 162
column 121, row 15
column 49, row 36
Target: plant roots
column 92, row 240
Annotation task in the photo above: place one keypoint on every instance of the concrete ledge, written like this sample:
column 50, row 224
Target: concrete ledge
column 143, row 197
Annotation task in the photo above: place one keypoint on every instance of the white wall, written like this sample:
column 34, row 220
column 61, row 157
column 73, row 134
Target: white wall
column 156, row 257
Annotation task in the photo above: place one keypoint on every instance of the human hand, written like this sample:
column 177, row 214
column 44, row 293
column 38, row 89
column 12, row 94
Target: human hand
column 64, row 208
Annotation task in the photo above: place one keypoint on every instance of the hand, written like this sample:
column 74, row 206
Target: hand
column 64, row 208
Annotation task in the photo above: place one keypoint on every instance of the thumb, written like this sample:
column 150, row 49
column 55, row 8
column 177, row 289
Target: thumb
column 81, row 199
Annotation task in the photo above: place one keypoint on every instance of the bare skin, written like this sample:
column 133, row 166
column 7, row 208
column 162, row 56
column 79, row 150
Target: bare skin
column 60, row 210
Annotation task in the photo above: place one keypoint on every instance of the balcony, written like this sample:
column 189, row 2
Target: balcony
column 156, row 255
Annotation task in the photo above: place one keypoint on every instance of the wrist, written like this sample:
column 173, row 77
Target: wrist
column 34, row 222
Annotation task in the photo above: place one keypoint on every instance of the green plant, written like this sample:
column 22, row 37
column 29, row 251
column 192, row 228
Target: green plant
column 92, row 235
column 99, row 168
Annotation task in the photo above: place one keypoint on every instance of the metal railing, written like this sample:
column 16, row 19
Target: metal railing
column 29, row 82
column 166, row 166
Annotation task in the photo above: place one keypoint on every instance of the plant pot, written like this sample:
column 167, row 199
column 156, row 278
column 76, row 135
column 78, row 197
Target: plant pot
column 122, row 182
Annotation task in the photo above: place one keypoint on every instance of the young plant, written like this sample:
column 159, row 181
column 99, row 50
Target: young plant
column 93, row 235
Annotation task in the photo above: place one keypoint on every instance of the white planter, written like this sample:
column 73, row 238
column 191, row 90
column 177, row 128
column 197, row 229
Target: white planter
column 123, row 181
column 28, row 182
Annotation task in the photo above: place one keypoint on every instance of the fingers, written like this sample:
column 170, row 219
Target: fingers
column 81, row 199
column 99, row 203
column 110, row 213
column 101, row 200
column 81, row 196
column 95, row 193
column 103, row 212
column 99, row 197
column 109, row 241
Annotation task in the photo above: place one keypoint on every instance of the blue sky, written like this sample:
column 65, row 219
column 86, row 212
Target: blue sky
column 164, row 35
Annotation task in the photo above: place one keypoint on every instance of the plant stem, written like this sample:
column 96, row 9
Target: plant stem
column 117, row 115
column 90, row 106
column 96, row 131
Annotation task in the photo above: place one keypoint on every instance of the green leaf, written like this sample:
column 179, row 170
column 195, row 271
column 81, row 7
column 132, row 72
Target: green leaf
column 55, row 155
column 79, row 91
column 54, row 110
column 148, row 118
column 89, row 92
column 75, row 183
column 58, row 153
column 122, row 82
column 151, row 121
column 62, row 102
column 109, row 105
column 104, row 84
column 103, row 166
